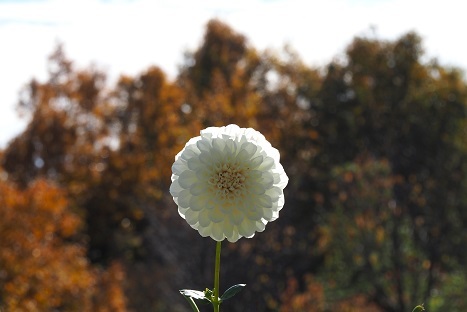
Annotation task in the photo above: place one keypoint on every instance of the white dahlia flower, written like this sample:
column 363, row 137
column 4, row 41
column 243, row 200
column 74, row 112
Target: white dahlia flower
column 228, row 183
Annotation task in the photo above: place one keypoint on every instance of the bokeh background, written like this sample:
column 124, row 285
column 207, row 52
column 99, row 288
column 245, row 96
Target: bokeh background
column 374, row 142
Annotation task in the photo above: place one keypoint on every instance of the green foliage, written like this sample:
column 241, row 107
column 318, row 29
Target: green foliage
column 232, row 291
column 450, row 296
column 206, row 297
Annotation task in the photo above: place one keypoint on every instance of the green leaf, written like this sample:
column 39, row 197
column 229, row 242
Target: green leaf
column 419, row 308
column 232, row 291
column 195, row 294
column 208, row 294
column 192, row 304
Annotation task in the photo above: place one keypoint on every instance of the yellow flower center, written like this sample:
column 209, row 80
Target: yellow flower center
column 227, row 181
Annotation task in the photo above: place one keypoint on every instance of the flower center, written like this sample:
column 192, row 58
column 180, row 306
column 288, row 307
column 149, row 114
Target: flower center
column 228, row 181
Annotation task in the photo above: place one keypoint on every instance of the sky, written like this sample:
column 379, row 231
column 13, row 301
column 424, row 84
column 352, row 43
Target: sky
column 113, row 34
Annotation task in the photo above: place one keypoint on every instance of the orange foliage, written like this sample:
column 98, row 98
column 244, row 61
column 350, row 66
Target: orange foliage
column 374, row 147
column 41, row 267
column 111, row 297
column 313, row 299
column 357, row 303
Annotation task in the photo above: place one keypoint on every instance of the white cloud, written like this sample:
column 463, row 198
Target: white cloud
column 128, row 36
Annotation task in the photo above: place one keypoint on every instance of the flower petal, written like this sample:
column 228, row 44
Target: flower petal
column 184, row 199
column 228, row 182
column 247, row 228
column 254, row 214
column 261, row 225
column 204, row 218
column 198, row 203
column 264, row 201
column 182, row 212
column 250, row 148
column 267, row 214
column 255, row 162
column 175, row 188
column 179, row 166
column 194, row 163
column 188, row 153
column 217, row 232
column 242, row 156
column 204, row 231
column 267, row 179
column 274, row 192
column 198, row 188
column 204, row 145
column 232, row 129
column 216, row 215
column 230, row 147
column 191, row 217
column 228, row 228
column 236, row 216
column 280, row 202
column 187, row 178
column 256, row 188
column 234, row 237
column 267, row 164
column 218, row 144
column 255, row 174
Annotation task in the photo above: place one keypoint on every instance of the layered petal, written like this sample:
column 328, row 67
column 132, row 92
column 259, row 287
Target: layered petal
column 228, row 183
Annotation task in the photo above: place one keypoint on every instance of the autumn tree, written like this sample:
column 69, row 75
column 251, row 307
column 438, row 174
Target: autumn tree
column 217, row 79
column 374, row 145
column 66, row 125
column 43, row 265
column 110, row 151
column 383, row 103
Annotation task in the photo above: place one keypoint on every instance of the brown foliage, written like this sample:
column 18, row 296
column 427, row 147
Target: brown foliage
column 313, row 299
column 42, row 268
column 374, row 148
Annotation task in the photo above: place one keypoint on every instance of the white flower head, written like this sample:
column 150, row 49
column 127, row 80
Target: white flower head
column 228, row 183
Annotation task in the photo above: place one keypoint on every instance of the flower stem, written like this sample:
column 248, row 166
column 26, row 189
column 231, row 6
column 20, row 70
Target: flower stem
column 215, row 302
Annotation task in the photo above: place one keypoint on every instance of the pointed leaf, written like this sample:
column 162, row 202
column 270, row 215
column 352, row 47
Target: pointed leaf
column 208, row 294
column 195, row 294
column 418, row 308
column 192, row 303
column 232, row 291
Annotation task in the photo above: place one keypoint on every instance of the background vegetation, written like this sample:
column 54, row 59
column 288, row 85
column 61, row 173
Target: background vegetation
column 375, row 145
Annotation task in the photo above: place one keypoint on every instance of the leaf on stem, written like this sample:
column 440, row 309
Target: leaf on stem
column 196, row 295
column 232, row 291
column 192, row 304
column 419, row 308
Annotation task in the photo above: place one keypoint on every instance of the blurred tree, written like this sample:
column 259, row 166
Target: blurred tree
column 43, row 267
column 383, row 102
column 145, row 127
column 110, row 150
column 66, row 125
column 374, row 143
column 217, row 79
column 371, row 250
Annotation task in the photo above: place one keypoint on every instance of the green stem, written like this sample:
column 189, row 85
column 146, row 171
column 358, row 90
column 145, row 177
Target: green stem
column 215, row 302
column 192, row 303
